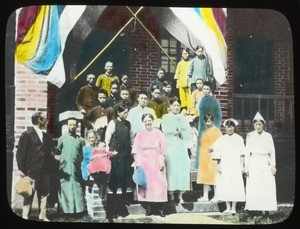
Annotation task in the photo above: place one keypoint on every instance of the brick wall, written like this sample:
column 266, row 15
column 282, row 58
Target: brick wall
column 267, row 24
column 31, row 95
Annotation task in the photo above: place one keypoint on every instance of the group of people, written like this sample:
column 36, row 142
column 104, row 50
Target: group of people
column 126, row 129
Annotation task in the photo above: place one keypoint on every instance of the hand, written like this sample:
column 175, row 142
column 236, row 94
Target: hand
column 57, row 157
column 162, row 164
column 115, row 152
column 83, row 111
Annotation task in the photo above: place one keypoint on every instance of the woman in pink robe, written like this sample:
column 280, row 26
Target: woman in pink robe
column 149, row 150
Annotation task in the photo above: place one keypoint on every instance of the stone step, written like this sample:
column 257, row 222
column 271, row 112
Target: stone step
column 97, row 207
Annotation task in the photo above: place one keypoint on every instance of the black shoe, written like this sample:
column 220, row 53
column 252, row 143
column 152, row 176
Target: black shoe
column 162, row 213
column 148, row 212
column 126, row 202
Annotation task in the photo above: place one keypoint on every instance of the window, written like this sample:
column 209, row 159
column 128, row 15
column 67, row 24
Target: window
column 253, row 70
column 253, row 75
column 172, row 47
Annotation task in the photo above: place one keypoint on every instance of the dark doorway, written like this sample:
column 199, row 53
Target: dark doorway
column 117, row 52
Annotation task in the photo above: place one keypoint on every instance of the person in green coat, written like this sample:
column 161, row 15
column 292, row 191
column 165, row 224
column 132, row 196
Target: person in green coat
column 71, row 195
column 177, row 131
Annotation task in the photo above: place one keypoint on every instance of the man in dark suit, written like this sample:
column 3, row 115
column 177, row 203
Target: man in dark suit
column 34, row 152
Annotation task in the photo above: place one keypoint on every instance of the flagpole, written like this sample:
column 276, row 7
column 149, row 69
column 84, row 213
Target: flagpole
column 108, row 44
column 134, row 15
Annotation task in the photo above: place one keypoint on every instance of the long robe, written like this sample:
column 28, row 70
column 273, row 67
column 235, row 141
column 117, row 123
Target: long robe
column 230, row 184
column 260, row 184
column 119, row 139
column 207, row 171
column 71, row 195
column 207, row 105
column 150, row 149
column 177, row 159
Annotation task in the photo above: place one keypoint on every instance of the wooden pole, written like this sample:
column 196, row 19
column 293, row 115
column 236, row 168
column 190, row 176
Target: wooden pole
column 108, row 44
column 134, row 15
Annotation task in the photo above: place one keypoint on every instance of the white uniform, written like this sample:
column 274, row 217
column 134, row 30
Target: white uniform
column 260, row 184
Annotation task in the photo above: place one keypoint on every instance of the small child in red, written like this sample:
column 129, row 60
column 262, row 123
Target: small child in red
column 100, row 167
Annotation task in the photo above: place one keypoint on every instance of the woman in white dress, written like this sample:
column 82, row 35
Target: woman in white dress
column 229, row 151
column 260, row 167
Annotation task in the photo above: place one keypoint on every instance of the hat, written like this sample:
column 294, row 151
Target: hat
column 70, row 114
column 258, row 117
column 23, row 187
column 230, row 120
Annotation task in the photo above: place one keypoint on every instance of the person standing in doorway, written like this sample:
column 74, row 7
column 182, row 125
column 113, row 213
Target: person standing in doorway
column 87, row 96
column 104, row 80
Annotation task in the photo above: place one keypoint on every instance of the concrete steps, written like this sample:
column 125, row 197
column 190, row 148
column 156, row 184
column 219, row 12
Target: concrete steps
column 97, row 207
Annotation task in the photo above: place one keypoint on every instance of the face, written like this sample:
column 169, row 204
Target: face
column 123, row 115
column 90, row 79
column 155, row 94
column 206, row 90
column 200, row 51
column 108, row 67
column 91, row 138
column 175, row 107
column 185, row 55
column 125, row 79
column 259, row 127
column 114, row 89
column 142, row 99
column 199, row 84
column 102, row 98
column 102, row 145
column 167, row 89
column 160, row 74
column 208, row 123
column 124, row 94
column 148, row 122
column 72, row 126
column 42, row 121
column 229, row 129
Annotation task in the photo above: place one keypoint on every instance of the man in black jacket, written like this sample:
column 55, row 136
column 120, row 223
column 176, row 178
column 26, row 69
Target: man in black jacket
column 35, row 150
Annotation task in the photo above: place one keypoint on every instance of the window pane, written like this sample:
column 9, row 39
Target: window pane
column 173, row 51
column 173, row 43
column 164, row 43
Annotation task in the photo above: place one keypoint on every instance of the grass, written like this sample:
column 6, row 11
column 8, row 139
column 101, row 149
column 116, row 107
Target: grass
column 240, row 218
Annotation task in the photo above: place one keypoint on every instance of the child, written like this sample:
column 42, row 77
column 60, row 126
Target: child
column 158, row 81
column 100, row 167
column 201, row 67
column 182, row 79
column 87, row 153
column 196, row 96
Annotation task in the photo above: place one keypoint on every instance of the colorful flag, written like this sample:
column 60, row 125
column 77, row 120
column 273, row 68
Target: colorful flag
column 199, row 26
column 41, row 35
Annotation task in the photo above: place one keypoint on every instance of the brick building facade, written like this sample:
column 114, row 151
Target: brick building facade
column 30, row 93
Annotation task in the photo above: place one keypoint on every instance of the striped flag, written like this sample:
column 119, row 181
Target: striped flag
column 41, row 35
column 196, row 26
